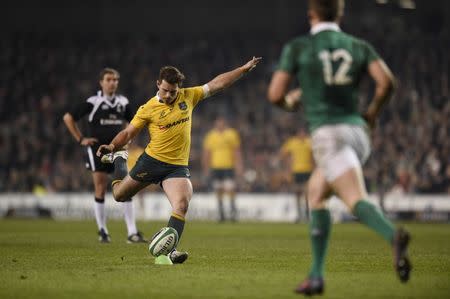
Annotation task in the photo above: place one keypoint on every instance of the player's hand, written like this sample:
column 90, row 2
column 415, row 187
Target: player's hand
column 87, row 141
column 292, row 99
column 370, row 119
column 249, row 66
column 104, row 149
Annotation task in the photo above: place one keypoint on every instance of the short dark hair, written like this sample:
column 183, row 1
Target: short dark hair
column 108, row 70
column 327, row 10
column 171, row 74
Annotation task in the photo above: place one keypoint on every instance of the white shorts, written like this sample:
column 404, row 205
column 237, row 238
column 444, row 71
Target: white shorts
column 337, row 148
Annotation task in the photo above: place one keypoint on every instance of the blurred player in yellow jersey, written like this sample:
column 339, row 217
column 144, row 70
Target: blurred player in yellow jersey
column 296, row 153
column 222, row 155
column 168, row 118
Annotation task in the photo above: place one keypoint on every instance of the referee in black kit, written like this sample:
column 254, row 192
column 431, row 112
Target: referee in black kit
column 107, row 112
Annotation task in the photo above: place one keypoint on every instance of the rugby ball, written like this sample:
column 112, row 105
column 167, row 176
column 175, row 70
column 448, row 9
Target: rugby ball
column 163, row 242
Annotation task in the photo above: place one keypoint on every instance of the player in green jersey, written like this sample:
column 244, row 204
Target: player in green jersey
column 329, row 65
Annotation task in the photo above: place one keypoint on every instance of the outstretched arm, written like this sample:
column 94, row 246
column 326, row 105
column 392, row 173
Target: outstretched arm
column 122, row 138
column 225, row 80
column 278, row 92
column 384, row 88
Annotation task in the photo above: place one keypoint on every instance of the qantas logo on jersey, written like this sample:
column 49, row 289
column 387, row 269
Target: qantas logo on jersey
column 175, row 123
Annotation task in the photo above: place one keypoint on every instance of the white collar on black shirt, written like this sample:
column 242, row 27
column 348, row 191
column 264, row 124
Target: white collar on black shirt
column 106, row 97
column 321, row 26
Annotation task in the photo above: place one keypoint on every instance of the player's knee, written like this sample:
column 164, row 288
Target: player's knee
column 100, row 191
column 182, row 205
column 315, row 203
column 117, row 198
column 314, row 196
column 120, row 197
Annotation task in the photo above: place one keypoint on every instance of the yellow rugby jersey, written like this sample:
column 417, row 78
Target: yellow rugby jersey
column 169, row 126
column 301, row 154
column 222, row 147
column 133, row 156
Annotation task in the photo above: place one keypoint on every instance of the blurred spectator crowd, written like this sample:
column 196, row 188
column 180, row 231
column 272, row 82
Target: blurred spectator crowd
column 42, row 75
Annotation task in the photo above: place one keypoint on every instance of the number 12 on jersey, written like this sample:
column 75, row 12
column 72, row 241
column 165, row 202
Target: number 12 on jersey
column 340, row 77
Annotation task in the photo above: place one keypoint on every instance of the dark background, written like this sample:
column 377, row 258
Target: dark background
column 284, row 17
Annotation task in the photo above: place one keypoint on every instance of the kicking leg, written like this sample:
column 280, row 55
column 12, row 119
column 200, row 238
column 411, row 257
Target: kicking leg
column 126, row 188
column 123, row 186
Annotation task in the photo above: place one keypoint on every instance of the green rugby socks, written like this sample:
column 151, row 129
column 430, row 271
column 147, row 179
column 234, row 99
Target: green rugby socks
column 368, row 214
column 120, row 169
column 177, row 222
column 320, row 227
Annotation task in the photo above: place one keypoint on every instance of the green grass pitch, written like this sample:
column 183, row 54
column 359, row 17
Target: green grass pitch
column 61, row 259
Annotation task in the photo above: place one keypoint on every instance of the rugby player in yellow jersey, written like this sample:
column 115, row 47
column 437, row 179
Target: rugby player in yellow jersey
column 222, row 155
column 296, row 153
column 168, row 118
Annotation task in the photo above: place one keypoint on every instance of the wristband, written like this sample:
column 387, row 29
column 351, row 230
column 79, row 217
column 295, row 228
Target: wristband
column 81, row 139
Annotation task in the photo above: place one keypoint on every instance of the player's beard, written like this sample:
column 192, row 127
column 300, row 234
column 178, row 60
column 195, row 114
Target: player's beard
column 170, row 101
